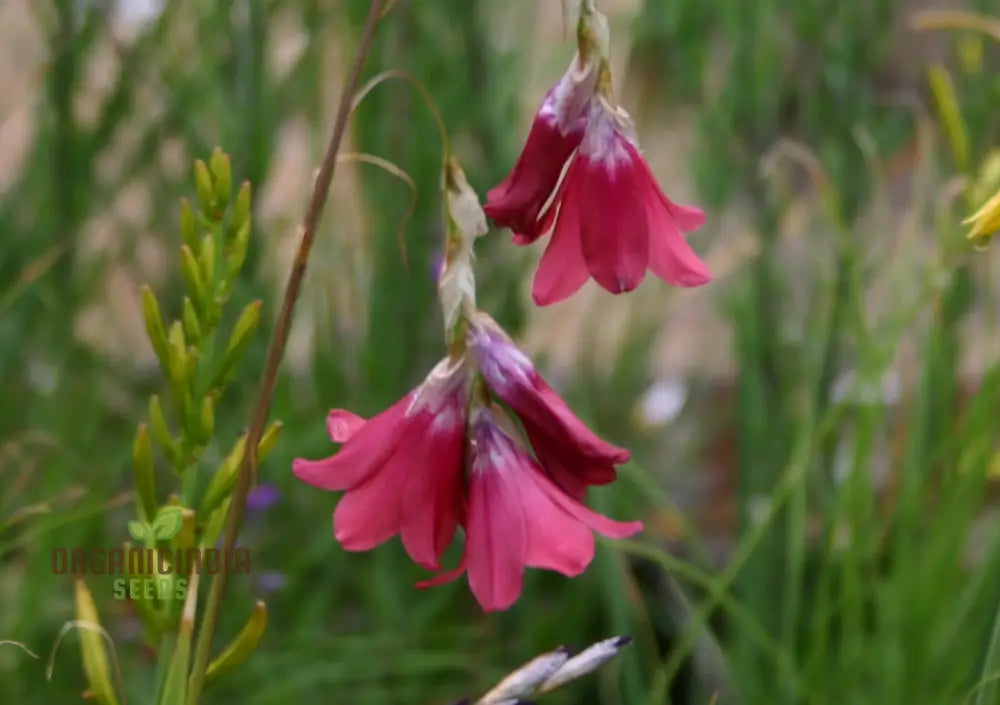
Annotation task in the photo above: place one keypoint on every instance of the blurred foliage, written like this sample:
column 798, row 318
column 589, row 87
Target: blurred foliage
column 833, row 588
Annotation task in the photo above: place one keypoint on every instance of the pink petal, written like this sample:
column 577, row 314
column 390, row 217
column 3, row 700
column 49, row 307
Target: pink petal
column 433, row 489
column 342, row 424
column 546, row 417
column 598, row 522
column 517, row 200
column 544, row 412
column 496, row 539
column 445, row 577
column 368, row 515
column 571, row 472
column 670, row 256
column 363, row 452
column 562, row 270
column 687, row 218
column 557, row 540
column 613, row 228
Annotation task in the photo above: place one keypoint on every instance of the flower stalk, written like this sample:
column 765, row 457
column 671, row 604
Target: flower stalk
column 275, row 353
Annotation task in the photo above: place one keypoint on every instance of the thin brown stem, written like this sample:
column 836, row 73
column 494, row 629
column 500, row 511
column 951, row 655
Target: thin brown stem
column 275, row 353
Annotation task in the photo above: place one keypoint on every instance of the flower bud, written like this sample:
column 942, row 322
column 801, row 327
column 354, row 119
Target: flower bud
column 207, row 418
column 186, row 535
column 525, row 680
column 465, row 221
column 985, row 222
column 92, row 646
column 207, row 261
column 242, row 645
column 269, row 439
column 237, row 252
column 189, row 229
column 241, row 210
column 154, row 327
column 160, row 431
column 142, row 473
column 222, row 178
column 192, row 328
column 203, row 187
column 224, row 480
column 587, row 661
column 193, row 278
column 178, row 368
column 243, row 331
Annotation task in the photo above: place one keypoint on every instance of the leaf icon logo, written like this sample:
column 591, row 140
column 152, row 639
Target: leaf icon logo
column 167, row 523
column 140, row 530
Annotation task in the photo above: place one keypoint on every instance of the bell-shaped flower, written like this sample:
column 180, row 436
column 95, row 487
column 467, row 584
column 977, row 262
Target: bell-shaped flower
column 556, row 131
column 518, row 516
column 401, row 470
column 611, row 221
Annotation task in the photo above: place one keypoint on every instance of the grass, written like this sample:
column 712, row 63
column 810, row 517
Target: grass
column 858, row 418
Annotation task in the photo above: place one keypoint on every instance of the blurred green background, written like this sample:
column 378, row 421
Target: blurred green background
column 813, row 434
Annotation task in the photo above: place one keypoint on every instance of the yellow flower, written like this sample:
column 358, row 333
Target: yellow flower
column 985, row 222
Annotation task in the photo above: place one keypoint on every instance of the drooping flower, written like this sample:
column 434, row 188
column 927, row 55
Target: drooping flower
column 556, row 131
column 568, row 451
column 611, row 220
column 608, row 217
column 446, row 455
column 404, row 474
column 401, row 470
column 519, row 517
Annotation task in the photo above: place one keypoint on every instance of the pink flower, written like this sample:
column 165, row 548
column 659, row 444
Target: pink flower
column 608, row 217
column 613, row 221
column 428, row 464
column 391, row 487
column 569, row 451
column 518, row 517
column 556, row 131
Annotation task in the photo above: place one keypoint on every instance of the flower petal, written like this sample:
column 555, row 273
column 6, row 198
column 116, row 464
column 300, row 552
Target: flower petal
column 562, row 270
column 496, row 538
column 433, row 490
column 518, row 199
column 342, row 424
column 670, row 256
column 557, row 540
column 445, row 577
column 613, row 225
column 598, row 522
column 512, row 377
column 363, row 452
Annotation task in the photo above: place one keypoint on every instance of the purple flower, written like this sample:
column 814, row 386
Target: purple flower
column 271, row 581
column 437, row 261
column 262, row 498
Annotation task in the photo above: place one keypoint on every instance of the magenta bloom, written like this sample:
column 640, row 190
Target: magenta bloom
column 445, row 455
column 611, row 220
column 517, row 201
column 402, row 470
column 519, row 517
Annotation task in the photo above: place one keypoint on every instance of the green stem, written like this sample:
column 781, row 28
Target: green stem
column 275, row 352
column 987, row 694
